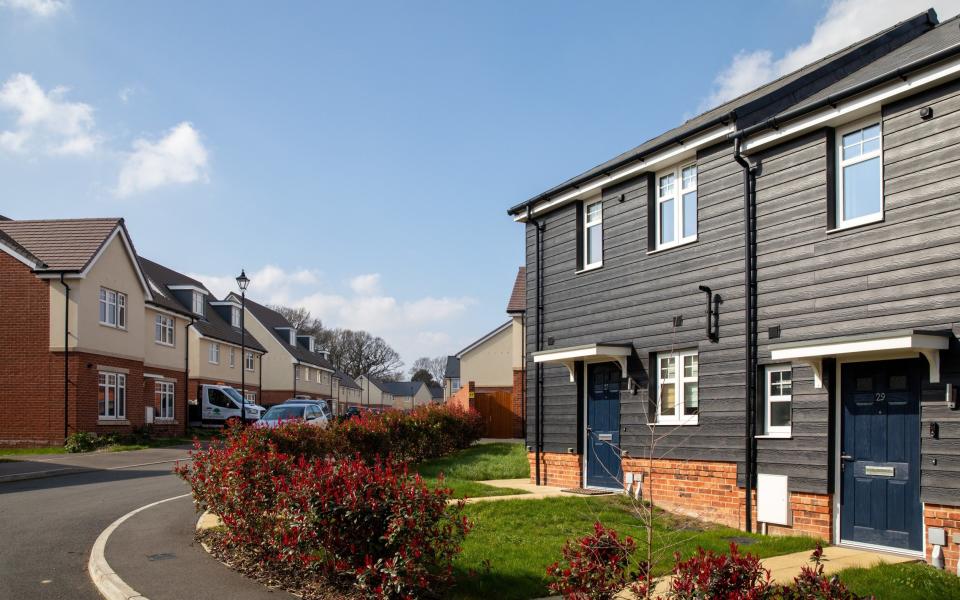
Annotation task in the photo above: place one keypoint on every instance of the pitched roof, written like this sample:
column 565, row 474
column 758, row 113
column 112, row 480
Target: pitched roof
column 346, row 380
column 767, row 100
column 62, row 244
column 518, row 296
column 436, row 392
column 272, row 320
column 452, row 371
column 400, row 388
column 211, row 325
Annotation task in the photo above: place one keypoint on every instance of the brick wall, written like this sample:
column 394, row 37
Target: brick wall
column 31, row 393
column 708, row 490
column 948, row 517
column 179, row 424
column 462, row 397
column 563, row 470
column 519, row 401
column 84, row 410
column 270, row 397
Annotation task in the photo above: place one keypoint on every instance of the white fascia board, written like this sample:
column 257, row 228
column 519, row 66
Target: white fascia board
column 224, row 303
column 903, row 342
column 485, row 338
column 658, row 160
column 13, row 252
column 226, row 343
column 192, row 288
column 167, row 312
column 862, row 105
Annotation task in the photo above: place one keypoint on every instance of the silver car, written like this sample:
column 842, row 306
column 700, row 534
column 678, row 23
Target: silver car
column 287, row 412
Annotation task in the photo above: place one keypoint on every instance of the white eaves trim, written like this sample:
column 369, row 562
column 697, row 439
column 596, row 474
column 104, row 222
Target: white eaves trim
column 13, row 252
column 812, row 354
column 192, row 288
column 588, row 353
column 680, row 151
column 226, row 343
column 485, row 338
column 858, row 106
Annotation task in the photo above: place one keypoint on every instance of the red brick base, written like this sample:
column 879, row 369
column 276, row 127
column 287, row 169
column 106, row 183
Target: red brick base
column 562, row 470
column 177, row 426
column 948, row 517
column 519, row 401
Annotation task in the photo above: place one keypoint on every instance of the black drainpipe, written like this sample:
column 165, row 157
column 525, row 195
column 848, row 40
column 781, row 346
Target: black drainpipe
column 750, row 323
column 538, row 367
column 186, row 373
column 66, row 357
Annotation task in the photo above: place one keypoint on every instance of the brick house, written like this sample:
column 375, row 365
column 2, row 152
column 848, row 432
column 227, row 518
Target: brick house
column 74, row 334
column 346, row 392
column 214, row 346
column 762, row 302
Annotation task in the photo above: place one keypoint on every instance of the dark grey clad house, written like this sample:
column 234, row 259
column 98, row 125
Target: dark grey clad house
column 765, row 300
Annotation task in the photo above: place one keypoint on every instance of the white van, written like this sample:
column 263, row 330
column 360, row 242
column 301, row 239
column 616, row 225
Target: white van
column 222, row 403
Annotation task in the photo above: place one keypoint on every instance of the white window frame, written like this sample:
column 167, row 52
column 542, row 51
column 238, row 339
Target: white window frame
column 233, row 357
column 165, row 397
column 113, row 386
column 251, row 397
column 164, row 330
column 213, row 353
column 587, row 226
column 112, row 308
column 678, row 379
column 248, row 362
column 777, row 430
column 319, row 376
column 199, row 303
column 454, row 385
column 235, row 316
column 679, row 190
column 841, row 222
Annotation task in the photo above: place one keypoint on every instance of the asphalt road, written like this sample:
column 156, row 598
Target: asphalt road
column 47, row 527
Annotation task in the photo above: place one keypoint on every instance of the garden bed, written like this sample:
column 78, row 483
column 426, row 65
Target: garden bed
column 904, row 581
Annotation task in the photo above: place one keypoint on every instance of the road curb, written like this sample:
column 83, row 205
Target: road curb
column 46, row 473
column 108, row 583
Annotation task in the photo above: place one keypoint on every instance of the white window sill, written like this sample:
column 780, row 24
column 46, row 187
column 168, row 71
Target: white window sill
column 159, row 343
column 672, row 246
column 102, row 421
column 855, row 224
column 775, row 436
column 117, row 327
column 682, row 423
column 592, row 267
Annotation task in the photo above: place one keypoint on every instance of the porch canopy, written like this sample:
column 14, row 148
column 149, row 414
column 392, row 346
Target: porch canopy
column 590, row 353
column 892, row 344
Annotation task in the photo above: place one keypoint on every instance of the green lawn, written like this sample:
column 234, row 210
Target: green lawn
column 12, row 453
column 512, row 542
column 464, row 469
column 905, row 581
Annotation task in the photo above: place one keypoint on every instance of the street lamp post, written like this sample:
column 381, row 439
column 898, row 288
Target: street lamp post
column 243, row 281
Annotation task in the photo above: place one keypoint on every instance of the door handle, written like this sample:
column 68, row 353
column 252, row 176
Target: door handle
column 846, row 457
column 589, row 429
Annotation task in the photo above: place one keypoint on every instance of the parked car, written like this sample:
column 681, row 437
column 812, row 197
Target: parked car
column 321, row 404
column 221, row 404
column 309, row 412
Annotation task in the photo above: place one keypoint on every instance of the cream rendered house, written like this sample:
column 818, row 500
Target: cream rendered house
column 294, row 367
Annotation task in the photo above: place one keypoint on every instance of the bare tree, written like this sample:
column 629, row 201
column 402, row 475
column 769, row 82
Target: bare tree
column 359, row 352
column 301, row 319
column 435, row 367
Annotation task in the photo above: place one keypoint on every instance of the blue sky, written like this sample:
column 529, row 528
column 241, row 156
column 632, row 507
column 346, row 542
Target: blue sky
column 358, row 158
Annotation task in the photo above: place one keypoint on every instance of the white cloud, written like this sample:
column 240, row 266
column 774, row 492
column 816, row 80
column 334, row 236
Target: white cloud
column 178, row 157
column 39, row 8
column 414, row 327
column 846, row 22
column 126, row 93
column 366, row 284
column 45, row 121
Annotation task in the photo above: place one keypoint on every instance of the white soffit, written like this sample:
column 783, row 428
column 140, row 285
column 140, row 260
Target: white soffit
column 929, row 344
column 592, row 353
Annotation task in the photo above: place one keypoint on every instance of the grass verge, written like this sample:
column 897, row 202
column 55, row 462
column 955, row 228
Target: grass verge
column 904, row 581
column 507, row 553
column 465, row 469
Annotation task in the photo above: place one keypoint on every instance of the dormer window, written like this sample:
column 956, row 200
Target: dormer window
column 198, row 304
column 235, row 317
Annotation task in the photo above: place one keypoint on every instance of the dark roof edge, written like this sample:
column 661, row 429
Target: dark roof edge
column 929, row 17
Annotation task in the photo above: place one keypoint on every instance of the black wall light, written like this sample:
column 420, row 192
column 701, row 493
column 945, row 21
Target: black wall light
column 713, row 314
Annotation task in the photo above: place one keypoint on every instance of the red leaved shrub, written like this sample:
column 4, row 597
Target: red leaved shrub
column 732, row 576
column 593, row 567
column 425, row 432
column 367, row 524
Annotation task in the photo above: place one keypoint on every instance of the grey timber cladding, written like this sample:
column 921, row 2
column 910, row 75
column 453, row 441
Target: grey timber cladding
column 633, row 299
column 899, row 273
column 812, row 282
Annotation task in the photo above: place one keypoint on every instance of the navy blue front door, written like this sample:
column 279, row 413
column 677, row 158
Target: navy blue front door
column 603, row 426
column 880, row 454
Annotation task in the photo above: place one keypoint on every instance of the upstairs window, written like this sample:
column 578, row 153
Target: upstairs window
column 213, row 353
column 113, row 308
column 198, row 303
column 235, row 317
column 678, row 399
column 778, row 418
column 163, row 330
column 859, row 175
column 593, row 235
column 676, row 214
column 248, row 361
column 233, row 357
column 454, row 385
column 319, row 376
